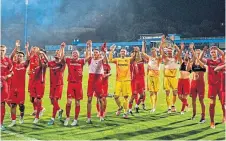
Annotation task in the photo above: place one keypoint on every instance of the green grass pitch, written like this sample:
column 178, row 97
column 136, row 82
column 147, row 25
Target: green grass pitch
column 142, row 126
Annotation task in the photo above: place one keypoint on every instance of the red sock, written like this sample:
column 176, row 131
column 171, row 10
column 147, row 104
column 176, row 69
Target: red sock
column 101, row 112
column 184, row 103
column 68, row 109
column 55, row 108
column 130, row 105
column 39, row 107
column 212, row 112
column 88, row 114
column 2, row 113
column 77, row 111
column 203, row 111
column 98, row 107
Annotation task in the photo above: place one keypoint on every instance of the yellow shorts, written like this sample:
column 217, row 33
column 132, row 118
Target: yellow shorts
column 123, row 88
column 170, row 83
column 153, row 83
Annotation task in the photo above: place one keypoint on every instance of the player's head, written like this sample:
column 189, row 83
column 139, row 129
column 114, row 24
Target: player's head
column 3, row 50
column 169, row 52
column 57, row 54
column 42, row 55
column 34, row 50
column 153, row 52
column 186, row 57
column 213, row 52
column 19, row 56
column 123, row 52
column 75, row 54
column 96, row 53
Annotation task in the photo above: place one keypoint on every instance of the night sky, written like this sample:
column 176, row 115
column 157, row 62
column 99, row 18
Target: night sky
column 120, row 17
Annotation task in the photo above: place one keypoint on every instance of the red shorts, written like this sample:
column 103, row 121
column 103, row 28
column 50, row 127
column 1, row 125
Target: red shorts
column 183, row 87
column 214, row 90
column 95, row 85
column 4, row 91
column 105, row 90
column 223, row 98
column 37, row 90
column 17, row 96
column 138, row 86
column 56, row 92
column 197, row 88
column 74, row 90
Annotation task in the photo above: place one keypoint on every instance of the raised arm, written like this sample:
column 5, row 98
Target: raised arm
column 17, row 45
column 191, row 47
column 190, row 63
column 27, row 51
column 41, row 62
column 219, row 51
column 27, row 54
column 179, row 52
column 88, row 50
column 62, row 53
column 202, row 55
column 161, row 47
column 112, row 49
column 143, row 50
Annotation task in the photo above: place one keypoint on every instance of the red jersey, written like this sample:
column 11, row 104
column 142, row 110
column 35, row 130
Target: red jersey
column 223, row 71
column 133, row 70
column 38, row 75
column 107, row 70
column 141, row 72
column 56, row 73
column 34, row 62
column 137, row 70
column 6, row 66
column 75, row 69
column 18, row 79
column 213, row 76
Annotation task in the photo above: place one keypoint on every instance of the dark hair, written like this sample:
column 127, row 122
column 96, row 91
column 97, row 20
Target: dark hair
column 96, row 49
column 43, row 50
column 21, row 52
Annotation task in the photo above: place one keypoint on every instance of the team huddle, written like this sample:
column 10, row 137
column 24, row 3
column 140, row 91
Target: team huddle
column 130, row 80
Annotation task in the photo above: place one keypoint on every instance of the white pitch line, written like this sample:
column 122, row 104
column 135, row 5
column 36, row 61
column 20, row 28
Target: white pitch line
column 19, row 135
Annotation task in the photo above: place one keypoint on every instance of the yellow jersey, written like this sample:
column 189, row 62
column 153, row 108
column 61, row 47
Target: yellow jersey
column 122, row 68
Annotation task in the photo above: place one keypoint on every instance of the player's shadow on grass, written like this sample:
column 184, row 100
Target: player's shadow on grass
column 181, row 135
column 85, row 133
column 221, row 138
column 206, row 135
column 124, row 136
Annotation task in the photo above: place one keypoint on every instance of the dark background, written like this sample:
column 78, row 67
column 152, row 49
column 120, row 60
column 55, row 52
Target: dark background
column 54, row 21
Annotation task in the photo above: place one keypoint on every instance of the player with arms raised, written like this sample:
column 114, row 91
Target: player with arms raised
column 57, row 68
column 74, row 89
column 17, row 88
